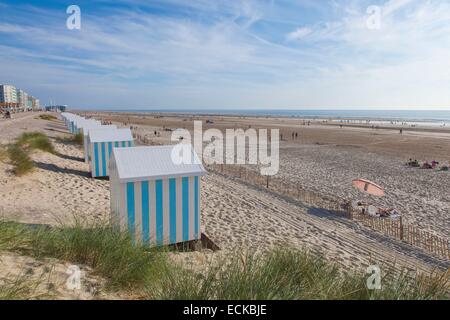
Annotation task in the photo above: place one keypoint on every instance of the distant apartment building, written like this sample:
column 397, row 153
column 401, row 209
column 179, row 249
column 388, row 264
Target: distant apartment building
column 15, row 99
column 8, row 94
column 33, row 103
column 22, row 99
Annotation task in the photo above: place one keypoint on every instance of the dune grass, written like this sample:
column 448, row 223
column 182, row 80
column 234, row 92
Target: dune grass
column 279, row 274
column 78, row 139
column 3, row 154
column 47, row 117
column 110, row 253
column 18, row 153
column 289, row 274
column 35, row 141
column 19, row 288
column 20, row 159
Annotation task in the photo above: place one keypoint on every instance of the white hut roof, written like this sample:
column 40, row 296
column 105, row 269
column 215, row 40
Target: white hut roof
column 88, row 123
column 88, row 128
column 111, row 135
column 152, row 163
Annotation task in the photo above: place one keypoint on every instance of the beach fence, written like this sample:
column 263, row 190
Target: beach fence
column 101, row 144
column 395, row 228
column 154, row 199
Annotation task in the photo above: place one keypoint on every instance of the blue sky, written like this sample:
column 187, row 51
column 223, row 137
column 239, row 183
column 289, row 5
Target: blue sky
column 206, row 54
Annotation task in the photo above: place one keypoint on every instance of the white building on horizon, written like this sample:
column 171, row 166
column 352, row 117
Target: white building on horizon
column 8, row 94
column 22, row 99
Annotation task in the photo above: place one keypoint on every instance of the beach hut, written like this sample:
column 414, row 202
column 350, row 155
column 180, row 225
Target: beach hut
column 72, row 121
column 68, row 119
column 77, row 124
column 86, row 129
column 101, row 144
column 153, row 198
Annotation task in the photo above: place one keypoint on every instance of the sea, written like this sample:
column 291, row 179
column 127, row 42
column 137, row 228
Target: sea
column 439, row 117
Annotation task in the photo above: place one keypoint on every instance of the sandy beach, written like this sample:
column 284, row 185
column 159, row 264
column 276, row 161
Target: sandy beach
column 237, row 215
column 325, row 159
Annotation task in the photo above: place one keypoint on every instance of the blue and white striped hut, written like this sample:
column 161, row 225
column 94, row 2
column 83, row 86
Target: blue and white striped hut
column 154, row 199
column 68, row 120
column 78, row 124
column 101, row 145
column 86, row 129
column 73, row 120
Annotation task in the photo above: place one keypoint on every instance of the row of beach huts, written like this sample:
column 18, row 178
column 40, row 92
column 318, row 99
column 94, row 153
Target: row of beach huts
column 154, row 199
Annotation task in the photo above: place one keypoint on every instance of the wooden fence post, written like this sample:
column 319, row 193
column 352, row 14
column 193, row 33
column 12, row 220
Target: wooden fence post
column 401, row 228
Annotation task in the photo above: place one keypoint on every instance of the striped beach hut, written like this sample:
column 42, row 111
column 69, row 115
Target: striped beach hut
column 101, row 144
column 69, row 119
column 79, row 122
column 73, row 122
column 86, row 129
column 154, row 199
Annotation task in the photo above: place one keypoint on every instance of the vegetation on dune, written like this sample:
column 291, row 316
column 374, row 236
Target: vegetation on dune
column 78, row 139
column 289, row 274
column 48, row 117
column 110, row 253
column 19, row 288
column 278, row 274
column 20, row 159
column 18, row 153
column 3, row 154
column 35, row 141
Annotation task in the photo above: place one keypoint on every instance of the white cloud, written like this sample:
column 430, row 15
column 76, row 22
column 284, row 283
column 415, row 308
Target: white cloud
column 299, row 34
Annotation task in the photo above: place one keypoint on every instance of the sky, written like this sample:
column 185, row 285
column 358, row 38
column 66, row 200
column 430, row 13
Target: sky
column 230, row 54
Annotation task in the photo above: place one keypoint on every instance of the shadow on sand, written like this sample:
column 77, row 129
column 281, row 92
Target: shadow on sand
column 55, row 168
column 67, row 157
